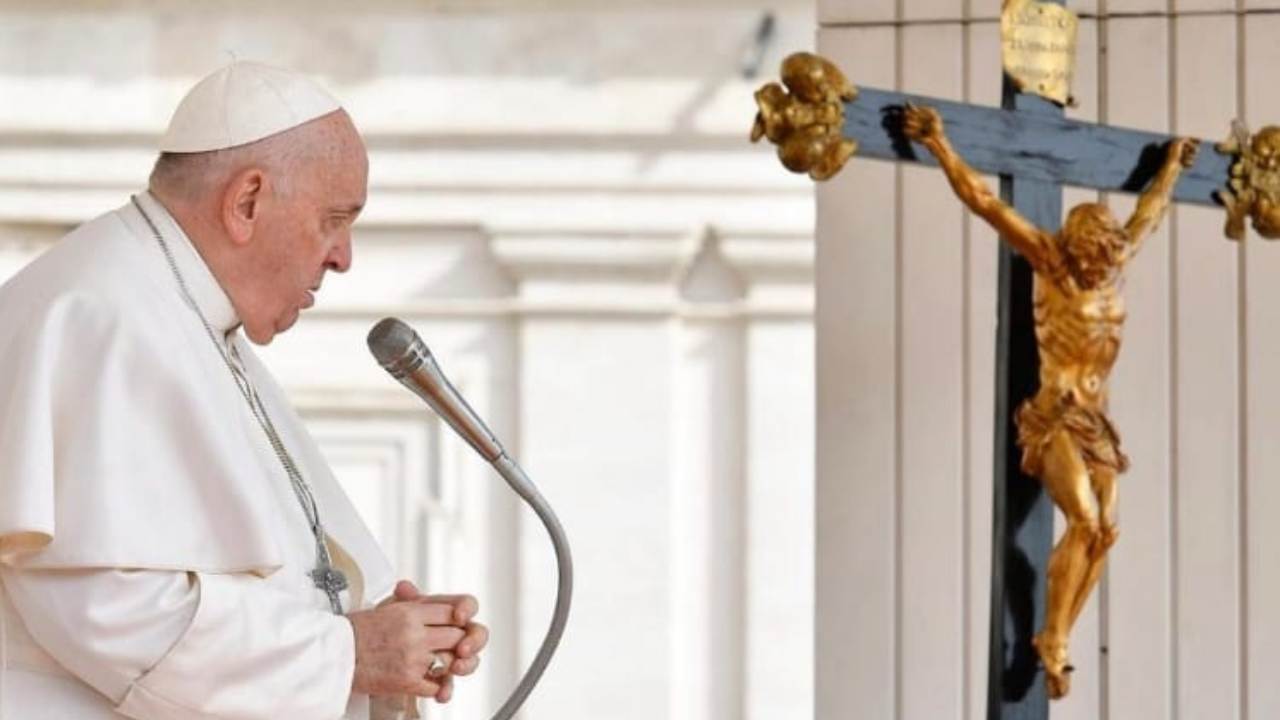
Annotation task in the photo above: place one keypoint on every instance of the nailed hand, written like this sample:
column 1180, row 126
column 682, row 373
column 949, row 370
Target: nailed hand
column 1185, row 150
column 921, row 123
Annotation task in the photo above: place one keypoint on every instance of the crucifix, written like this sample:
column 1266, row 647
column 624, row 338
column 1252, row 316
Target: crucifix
column 1060, row 312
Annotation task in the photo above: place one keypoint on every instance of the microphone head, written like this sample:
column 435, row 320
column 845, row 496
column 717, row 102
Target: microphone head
column 406, row 358
column 391, row 340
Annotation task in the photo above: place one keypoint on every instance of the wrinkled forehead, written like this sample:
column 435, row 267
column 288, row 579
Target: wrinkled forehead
column 334, row 138
column 336, row 163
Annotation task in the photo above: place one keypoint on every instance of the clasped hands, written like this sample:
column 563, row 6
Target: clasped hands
column 397, row 642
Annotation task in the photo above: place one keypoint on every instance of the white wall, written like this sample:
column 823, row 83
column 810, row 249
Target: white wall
column 1183, row 624
column 564, row 204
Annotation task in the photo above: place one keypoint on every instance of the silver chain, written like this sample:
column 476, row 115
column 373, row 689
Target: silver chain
column 325, row 576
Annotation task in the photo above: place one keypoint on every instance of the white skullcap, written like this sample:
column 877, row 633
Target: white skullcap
column 241, row 103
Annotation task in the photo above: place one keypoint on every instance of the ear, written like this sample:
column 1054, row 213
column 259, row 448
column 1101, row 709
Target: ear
column 242, row 204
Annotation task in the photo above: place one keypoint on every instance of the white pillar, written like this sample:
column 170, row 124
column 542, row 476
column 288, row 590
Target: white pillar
column 709, row 493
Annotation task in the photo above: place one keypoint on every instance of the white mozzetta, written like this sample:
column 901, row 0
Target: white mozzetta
column 128, row 445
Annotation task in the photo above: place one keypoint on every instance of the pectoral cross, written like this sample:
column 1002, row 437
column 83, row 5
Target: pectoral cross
column 332, row 582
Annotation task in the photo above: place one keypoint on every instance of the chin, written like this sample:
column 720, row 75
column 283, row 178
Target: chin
column 260, row 336
column 287, row 321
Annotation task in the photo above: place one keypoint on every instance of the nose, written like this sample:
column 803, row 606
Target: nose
column 339, row 259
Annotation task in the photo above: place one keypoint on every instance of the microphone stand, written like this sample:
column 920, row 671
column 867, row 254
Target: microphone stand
column 403, row 354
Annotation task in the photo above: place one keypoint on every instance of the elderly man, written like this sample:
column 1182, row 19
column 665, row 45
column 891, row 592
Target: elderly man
column 172, row 544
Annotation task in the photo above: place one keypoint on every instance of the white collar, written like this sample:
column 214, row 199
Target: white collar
column 208, row 295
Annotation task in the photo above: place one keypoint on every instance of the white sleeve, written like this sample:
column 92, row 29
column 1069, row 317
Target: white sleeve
column 187, row 646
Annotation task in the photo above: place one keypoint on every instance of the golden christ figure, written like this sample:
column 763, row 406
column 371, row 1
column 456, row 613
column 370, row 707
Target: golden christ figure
column 1066, row 438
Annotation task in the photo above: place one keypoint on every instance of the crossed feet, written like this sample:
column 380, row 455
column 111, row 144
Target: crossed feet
column 1057, row 667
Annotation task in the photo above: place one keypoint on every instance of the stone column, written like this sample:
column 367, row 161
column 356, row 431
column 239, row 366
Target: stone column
column 708, row 495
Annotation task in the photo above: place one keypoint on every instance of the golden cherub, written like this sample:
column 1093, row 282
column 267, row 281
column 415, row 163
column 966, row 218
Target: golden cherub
column 1254, row 189
column 807, row 124
column 1066, row 438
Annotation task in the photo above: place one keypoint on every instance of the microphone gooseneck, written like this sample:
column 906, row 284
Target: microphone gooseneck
column 403, row 354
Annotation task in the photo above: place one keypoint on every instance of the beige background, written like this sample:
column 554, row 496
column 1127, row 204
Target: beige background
column 1186, row 623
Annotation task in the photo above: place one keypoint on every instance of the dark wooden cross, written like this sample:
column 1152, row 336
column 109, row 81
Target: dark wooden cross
column 1036, row 151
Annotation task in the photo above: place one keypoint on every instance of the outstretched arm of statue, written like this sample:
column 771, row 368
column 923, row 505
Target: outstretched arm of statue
column 1153, row 203
column 924, row 125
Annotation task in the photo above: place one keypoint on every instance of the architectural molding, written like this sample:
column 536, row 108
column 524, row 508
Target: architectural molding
column 705, row 276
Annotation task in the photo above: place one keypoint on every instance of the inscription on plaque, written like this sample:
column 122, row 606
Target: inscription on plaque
column 1039, row 48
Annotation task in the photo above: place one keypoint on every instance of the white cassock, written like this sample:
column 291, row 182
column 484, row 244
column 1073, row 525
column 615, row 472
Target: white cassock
column 153, row 556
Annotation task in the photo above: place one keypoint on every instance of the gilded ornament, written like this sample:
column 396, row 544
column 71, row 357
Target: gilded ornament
column 1254, row 188
column 806, row 117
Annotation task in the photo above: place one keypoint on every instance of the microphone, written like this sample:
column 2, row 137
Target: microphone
column 403, row 354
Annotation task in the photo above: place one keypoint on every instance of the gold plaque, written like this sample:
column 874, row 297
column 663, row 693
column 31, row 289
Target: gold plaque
column 1039, row 47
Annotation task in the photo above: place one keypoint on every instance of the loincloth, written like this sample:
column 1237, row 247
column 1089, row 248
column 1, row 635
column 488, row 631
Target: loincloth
column 1040, row 419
